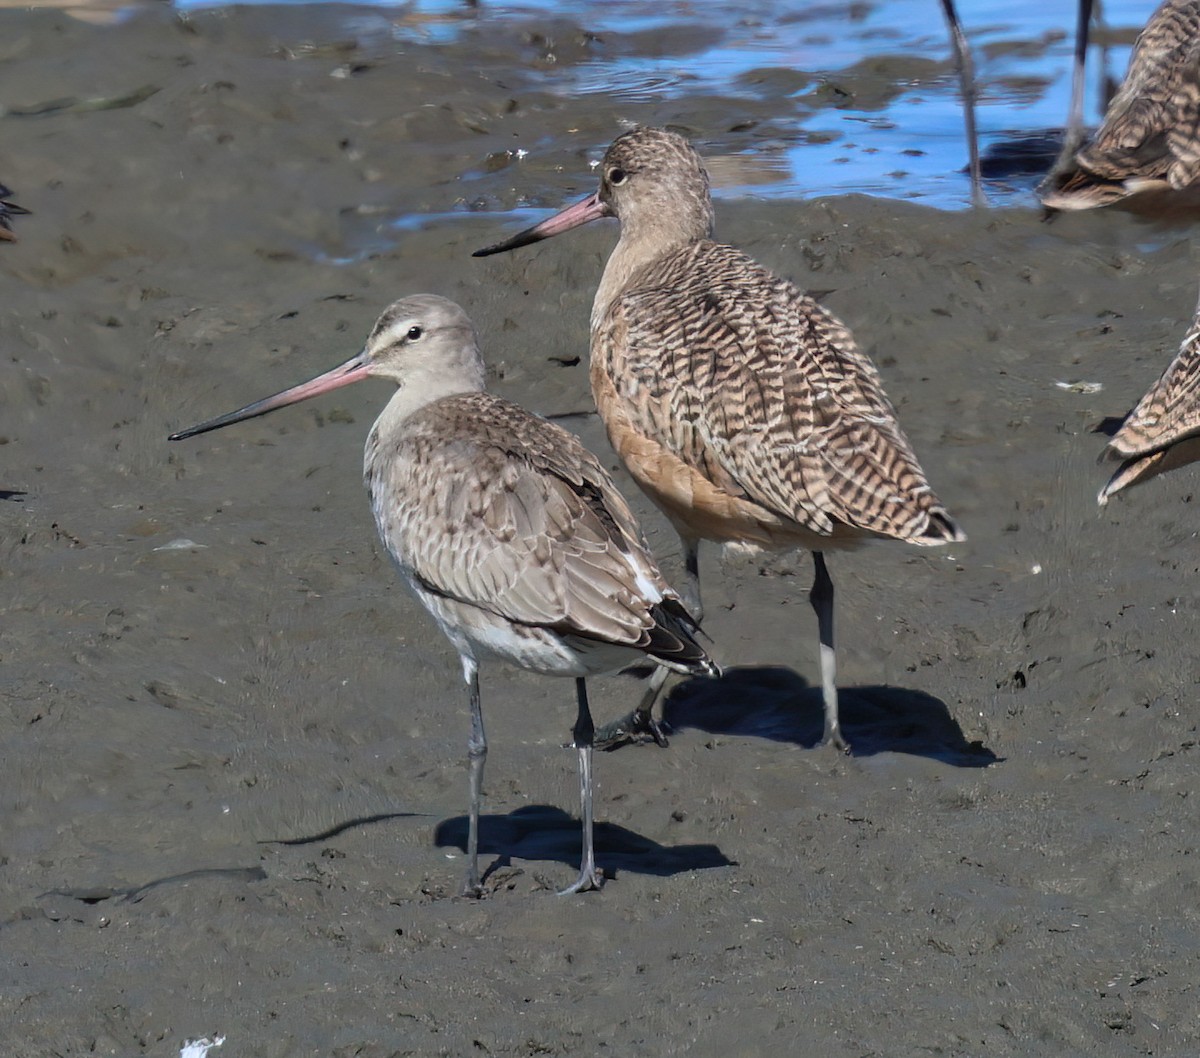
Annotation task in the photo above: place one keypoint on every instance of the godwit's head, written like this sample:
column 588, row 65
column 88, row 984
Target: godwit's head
column 425, row 344
column 425, row 339
column 653, row 181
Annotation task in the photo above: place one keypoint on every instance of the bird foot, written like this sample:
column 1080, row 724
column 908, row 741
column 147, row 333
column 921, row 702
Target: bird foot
column 834, row 740
column 636, row 727
column 591, row 879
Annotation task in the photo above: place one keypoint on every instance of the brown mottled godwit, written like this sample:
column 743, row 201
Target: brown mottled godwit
column 505, row 527
column 1150, row 137
column 1163, row 431
column 741, row 407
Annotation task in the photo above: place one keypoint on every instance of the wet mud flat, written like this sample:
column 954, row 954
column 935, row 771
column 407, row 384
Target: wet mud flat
column 233, row 748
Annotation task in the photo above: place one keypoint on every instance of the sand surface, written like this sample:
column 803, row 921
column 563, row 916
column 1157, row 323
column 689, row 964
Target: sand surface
column 232, row 766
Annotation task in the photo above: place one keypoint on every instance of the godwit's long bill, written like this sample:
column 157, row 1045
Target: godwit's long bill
column 1163, row 430
column 505, row 527
column 742, row 408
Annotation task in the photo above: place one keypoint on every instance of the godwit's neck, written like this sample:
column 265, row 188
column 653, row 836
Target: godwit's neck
column 418, row 390
column 644, row 242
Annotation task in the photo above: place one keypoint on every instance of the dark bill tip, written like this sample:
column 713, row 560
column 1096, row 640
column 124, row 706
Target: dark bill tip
column 588, row 209
column 522, row 238
column 352, row 370
column 250, row 411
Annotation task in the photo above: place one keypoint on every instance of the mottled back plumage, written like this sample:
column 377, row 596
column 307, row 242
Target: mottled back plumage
column 753, row 385
column 740, row 405
column 1150, row 137
column 497, row 514
column 1163, row 430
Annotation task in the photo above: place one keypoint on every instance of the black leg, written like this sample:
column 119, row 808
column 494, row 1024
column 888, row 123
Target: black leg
column 691, row 563
column 821, row 598
column 639, row 725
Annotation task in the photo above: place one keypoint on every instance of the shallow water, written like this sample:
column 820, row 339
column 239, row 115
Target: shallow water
column 845, row 97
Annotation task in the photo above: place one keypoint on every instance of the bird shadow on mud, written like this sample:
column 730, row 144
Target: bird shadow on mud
column 776, row 703
column 544, row 832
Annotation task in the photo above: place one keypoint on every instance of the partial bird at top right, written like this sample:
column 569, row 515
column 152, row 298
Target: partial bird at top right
column 1150, row 138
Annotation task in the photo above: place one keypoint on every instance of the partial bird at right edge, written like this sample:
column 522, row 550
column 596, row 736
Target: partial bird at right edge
column 742, row 408
column 1163, row 432
column 8, row 210
column 1150, row 138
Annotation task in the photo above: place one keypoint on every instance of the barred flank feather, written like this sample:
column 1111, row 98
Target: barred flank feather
column 1163, row 432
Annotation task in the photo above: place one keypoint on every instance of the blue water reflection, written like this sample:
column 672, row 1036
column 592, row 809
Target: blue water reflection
column 821, row 66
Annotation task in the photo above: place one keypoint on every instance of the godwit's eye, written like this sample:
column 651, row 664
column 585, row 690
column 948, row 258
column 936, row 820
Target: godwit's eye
column 414, row 333
column 616, row 176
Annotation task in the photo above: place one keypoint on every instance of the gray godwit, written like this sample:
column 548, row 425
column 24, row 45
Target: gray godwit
column 1150, row 138
column 741, row 407
column 7, row 211
column 1163, row 431
column 505, row 527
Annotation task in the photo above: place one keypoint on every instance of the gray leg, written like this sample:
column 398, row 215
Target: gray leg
column 1108, row 83
column 1073, row 136
column 589, row 876
column 966, row 77
column 476, row 757
column 635, row 726
column 821, row 598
